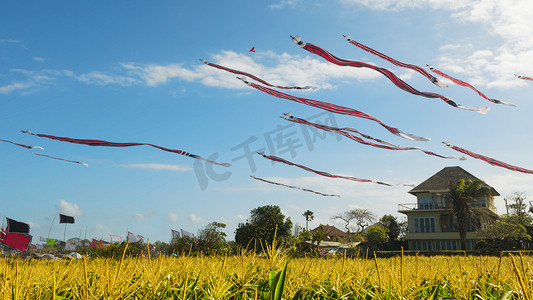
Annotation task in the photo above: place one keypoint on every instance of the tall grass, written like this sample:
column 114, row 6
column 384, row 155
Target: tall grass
column 275, row 276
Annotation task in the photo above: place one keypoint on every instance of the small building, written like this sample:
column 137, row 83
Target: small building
column 431, row 223
column 333, row 240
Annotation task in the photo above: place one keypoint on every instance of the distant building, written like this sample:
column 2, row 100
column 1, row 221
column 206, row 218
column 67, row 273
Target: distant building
column 431, row 224
column 332, row 233
column 333, row 240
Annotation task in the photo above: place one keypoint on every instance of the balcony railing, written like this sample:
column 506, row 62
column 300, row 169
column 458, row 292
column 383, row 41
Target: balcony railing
column 432, row 206
column 423, row 206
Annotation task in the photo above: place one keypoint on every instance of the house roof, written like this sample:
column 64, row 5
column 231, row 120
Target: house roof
column 332, row 231
column 440, row 182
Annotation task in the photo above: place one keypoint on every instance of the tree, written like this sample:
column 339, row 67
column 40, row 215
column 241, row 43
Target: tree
column 377, row 237
column 505, row 234
column 390, row 223
column 262, row 226
column 361, row 218
column 461, row 195
column 210, row 238
column 308, row 217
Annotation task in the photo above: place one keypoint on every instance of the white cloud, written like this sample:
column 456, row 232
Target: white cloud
column 39, row 59
column 139, row 216
column 100, row 78
column 283, row 69
column 6, row 89
column 194, row 218
column 159, row 167
column 173, row 217
column 284, row 3
column 70, row 209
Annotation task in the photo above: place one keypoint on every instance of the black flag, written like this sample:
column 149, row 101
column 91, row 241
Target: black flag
column 16, row 226
column 66, row 219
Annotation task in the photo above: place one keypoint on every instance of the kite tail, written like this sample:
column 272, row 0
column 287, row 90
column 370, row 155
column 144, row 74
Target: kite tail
column 501, row 102
column 524, row 77
column 67, row 160
column 418, row 69
column 411, row 137
column 482, row 109
column 332, row 108
column 466, row 84
column 210, row 161
column 489, row 160
column 294, row 187
column 256, row 78
column 22, row 145
column 391, row 76
column 437, row 82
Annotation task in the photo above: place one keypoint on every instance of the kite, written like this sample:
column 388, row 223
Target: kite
column 24, row 146
column 524, row 77
column 335, row 109
column 112, row 144
column 395, row 79
column 466, row 84
column 294, row 187
column 67, row 160
column 279, row 159
column 252, row 50
column 255, row 77
column 489, row 160
column 418, row 69
column 346, row 132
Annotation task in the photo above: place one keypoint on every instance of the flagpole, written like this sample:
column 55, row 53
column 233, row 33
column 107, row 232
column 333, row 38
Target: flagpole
column 65, row 233
column 51, row 226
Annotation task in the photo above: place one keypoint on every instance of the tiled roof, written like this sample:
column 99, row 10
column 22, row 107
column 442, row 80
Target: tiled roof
column 332, row 231
column 443, row 179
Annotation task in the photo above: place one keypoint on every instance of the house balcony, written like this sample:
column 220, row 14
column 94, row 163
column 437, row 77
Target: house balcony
column 424, row 206
column 406, row 207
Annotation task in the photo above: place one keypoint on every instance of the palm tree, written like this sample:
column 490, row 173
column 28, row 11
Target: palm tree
column 461, row 195
column 308, row 217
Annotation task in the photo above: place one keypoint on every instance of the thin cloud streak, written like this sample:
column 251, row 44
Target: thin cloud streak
column 159, row 167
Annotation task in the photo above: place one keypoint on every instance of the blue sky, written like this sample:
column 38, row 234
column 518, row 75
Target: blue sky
column 126, row 71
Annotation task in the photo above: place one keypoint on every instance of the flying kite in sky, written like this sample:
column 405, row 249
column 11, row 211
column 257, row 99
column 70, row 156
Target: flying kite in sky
column 112, row 144
column 395, row 79
column 21, row 145
column 418, row 69
column 294, row 187
column 252, row 50
column 346, row 132
column 524, row 77
column 335, row 109
column 255, row 77
column 279, row 159
column 489, row 160
column 67, row 160
column 466, row 84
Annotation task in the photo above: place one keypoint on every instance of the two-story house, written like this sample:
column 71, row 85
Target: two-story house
column 431, row 223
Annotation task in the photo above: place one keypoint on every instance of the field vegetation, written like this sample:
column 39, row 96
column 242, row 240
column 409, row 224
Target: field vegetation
column 274, row 274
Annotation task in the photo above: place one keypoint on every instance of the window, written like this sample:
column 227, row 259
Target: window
column 426, row 202
column 425, row 224
column 446, row 245
column 422, row 245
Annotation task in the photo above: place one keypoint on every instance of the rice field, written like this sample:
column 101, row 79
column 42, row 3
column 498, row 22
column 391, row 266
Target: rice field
column 275, row 276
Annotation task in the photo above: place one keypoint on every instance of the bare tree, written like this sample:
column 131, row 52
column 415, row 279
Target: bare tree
column 355, row 220
column 515, row 204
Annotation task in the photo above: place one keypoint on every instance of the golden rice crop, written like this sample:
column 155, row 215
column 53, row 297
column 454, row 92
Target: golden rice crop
column 248, row 276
